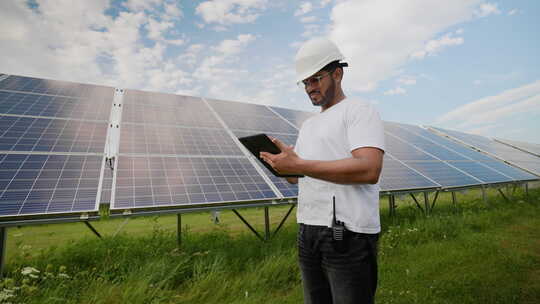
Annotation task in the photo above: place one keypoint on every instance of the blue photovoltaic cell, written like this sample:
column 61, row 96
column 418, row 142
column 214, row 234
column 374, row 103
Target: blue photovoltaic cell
column 462, row 150
column 524, row 146
column 48, row 184
column 250, row 117
column 481, row 172
column 55, row 87
column 519, row 158
column 453, row 158
column 15, row 103
column 177, row 140
column 396, row 176
column 404, row 151
column 51, row 135
column 443, row 174
column 438, row 171
column 295, row 117
column 156, row 108
column 422, row 143
column 144, row 182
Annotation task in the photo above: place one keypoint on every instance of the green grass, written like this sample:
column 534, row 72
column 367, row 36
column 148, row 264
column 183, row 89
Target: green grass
column 473, row 253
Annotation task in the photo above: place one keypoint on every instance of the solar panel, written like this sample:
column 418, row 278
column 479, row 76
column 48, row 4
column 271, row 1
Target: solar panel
column 51, row 135
column 251, row 117
column 55, row 87
column 144, row 182
column 513, row 156
column 396, row 176
column 52, row 138
column 184, row 158
column 523, row 146
column 177, row 140
column 438, row 171
column 412, row 135
column 295, row 117
column 48, row 184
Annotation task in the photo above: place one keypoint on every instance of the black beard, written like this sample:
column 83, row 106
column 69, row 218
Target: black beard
column 327, row 97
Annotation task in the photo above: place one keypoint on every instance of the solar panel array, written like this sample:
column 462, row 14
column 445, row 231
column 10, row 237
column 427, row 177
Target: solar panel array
column 523, row 160
column 178, row 151
column 523, row 146
column 52, row 138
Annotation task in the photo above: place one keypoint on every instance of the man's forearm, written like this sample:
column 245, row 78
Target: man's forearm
column 343, row 171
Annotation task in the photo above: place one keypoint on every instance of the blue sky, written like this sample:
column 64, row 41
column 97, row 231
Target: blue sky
column 468, row 65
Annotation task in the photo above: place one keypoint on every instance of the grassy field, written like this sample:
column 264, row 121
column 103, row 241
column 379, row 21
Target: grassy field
column 472, row 253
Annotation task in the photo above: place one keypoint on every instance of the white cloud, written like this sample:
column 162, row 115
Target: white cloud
column 390, row 31
column 77, row 41
column 308, row 19
column 139, row 5
column 396, row 91
column 305, row 7
column 324, row 3
column 436, row 45
column 407, row 80
column 514, row 11
column 493, row 108
column 226, row 12
column 231, row 47
column 487, row 9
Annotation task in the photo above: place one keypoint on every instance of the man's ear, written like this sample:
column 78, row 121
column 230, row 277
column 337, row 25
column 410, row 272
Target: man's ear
column 338, row 74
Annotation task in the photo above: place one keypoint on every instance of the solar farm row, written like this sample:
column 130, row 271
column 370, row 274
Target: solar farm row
column 177, row 151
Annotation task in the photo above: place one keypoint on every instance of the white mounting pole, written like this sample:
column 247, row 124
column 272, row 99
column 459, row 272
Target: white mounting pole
column 113, row 134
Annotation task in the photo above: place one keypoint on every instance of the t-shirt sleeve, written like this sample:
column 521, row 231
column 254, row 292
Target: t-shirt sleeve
column 364, row 127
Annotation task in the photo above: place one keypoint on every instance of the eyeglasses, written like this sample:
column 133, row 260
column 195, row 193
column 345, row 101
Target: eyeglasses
column 312, row 80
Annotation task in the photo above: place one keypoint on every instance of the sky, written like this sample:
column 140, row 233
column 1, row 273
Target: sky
column 467, row 65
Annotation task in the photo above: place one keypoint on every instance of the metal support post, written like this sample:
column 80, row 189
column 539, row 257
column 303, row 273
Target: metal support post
column 266, row 224
column 179, row 229
column 484, row 196
column 3, row 238
column 527, row 191
column 391, row 205
column 416, row 202
column 454, row 199
column 426, row 202
column 92, row 229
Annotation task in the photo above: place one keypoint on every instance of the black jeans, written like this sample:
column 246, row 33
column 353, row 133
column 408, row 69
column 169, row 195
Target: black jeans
column 337, row 278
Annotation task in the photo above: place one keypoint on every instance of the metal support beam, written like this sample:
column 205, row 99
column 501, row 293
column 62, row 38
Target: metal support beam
column 3, row 238
column 266, row 224
column 121, row 226
column 484, row 196
column 454, row 199
column 416, row 202
column 504, row 196
column 434, row 200
column 248, row 225
column 92, row 229
column 283, row 220
column 179, row 229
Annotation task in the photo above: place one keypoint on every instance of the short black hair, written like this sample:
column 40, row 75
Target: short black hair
column 332, row 66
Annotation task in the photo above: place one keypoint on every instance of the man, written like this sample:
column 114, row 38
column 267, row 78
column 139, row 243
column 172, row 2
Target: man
column 340, row 153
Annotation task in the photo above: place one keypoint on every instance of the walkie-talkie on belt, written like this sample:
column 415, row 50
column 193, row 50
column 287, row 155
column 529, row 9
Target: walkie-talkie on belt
column 338, row 231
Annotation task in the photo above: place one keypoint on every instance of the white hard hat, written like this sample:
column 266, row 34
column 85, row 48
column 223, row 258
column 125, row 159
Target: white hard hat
column 314, row 55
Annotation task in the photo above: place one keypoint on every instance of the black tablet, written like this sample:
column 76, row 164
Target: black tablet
column 262, row 143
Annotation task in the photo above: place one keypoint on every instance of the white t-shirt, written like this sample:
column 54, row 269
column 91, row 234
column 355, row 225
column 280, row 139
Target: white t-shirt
column 332, row 135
